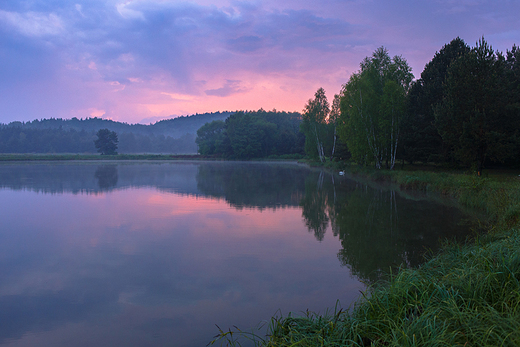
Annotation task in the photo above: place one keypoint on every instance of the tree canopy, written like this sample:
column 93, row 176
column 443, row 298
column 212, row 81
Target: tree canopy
column 210, row 138
column 473, row 117
column 106, row 142
column 56, row 135
column 420, row 138
column 314, row 125
column 372, row 107
column 320, row 121
column 256, row 134
column 464, row 110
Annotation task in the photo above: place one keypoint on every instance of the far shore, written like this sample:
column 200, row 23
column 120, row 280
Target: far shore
column 37, row 157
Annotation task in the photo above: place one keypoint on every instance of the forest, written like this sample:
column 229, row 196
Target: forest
column 75, row 135
column 253, row 134
column 463, row 111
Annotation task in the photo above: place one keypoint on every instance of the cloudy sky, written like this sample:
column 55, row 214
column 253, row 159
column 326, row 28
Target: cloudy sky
column 144, row 60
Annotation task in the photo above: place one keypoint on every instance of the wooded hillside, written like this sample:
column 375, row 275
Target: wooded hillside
column 56, row 135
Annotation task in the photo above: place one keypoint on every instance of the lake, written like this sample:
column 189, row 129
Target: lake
column 157, row 254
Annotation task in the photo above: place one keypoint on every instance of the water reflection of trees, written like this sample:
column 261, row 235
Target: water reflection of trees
column 377, row 228
column 92, row 178
column 314, row 206
column 106, row 176
column 253, row 185
column 369, row 232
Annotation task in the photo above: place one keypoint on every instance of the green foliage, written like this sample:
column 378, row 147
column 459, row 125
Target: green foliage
column 142, row 143
column 56, row 135
column 179, row 126
column 106, row 142
column 210, row 138
column 465, row 109
column 314, row 125
column 247, row 135
column 420, row 138
column 18, row 139
column 175, row 127
column 472, row 119
column 319, row 125
column 372, row 106
column 512, row 90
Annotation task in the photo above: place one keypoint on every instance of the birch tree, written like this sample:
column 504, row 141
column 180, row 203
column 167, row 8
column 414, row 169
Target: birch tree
column 372, row 105
column 314, row 125
column 333, row 121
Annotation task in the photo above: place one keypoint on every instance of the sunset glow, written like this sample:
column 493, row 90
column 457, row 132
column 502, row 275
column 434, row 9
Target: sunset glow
column 146, row 60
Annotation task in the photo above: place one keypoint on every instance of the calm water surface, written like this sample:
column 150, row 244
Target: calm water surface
column 156, row 254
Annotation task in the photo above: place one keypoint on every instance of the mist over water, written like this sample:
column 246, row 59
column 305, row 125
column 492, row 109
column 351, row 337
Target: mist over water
column 153, row 254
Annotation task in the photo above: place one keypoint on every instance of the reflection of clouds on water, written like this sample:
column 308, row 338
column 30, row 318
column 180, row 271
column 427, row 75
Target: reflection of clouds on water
column 142, row 263
column 159, row 267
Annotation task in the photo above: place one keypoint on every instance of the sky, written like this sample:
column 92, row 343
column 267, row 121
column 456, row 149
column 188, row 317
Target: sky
column 139, row 61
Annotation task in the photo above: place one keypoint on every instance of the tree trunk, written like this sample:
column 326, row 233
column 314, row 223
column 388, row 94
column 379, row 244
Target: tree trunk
column 334, row 145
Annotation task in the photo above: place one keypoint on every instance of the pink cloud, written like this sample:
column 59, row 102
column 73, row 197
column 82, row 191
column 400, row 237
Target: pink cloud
column 153, row 59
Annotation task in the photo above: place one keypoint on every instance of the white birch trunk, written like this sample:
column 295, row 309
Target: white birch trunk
column 318, row 144
column 334, row 144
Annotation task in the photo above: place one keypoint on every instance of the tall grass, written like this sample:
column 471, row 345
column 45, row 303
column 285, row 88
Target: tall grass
column 467, row 295
column 498, row 196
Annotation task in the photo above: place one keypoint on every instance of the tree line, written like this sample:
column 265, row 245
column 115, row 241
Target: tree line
column 464, row 110
column 57, row 135
column 253, row 134
column 174, row 127
column 18, row 139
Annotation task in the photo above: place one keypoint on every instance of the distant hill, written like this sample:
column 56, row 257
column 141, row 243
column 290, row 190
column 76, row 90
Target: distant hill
column 187, row 124
column 175, row 127
column 75, row 135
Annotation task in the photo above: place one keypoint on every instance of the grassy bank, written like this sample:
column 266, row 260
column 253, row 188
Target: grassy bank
column 497, row 194
column 467, row 295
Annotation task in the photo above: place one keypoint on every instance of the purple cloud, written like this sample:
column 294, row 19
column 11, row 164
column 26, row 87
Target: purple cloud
column 60, row 58
column 229, row 88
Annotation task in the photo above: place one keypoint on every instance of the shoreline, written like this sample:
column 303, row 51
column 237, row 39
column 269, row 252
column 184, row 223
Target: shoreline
column 468, row 293
column 31, row 157
column 7, row 157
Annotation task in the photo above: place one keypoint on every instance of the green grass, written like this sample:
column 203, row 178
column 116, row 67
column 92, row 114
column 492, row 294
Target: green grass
column 466, row 295
column 497, row 194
